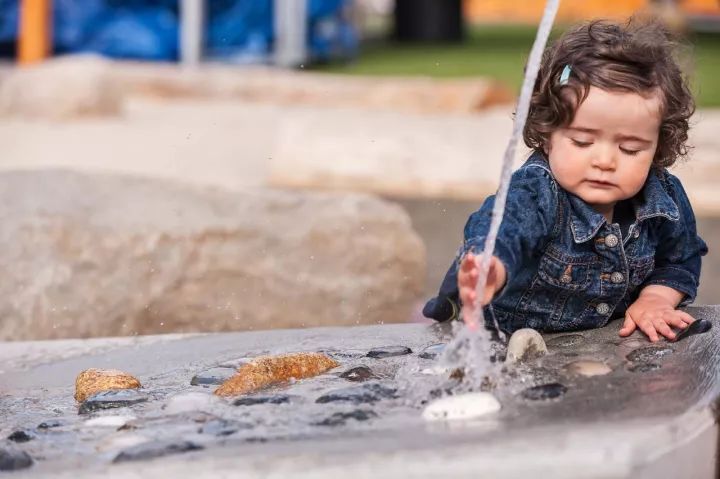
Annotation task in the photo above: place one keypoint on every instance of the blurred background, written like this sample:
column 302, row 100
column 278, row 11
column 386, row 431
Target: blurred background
column 189, row 165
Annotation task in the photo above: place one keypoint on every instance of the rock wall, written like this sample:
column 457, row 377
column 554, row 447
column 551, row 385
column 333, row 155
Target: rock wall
column 99, row 255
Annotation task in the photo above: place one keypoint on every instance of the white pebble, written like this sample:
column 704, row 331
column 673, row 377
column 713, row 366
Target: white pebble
column 464, row 406
column 191, row 402
column 525, row 344
column 109, row 421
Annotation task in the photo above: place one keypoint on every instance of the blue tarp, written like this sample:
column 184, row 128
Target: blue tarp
column 236, row 30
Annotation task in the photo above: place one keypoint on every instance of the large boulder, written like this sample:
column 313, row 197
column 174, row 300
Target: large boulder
column 61, row 88
column 98, row 255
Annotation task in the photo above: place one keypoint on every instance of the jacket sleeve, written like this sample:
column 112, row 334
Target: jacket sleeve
column 679, row 251
column 528, row 222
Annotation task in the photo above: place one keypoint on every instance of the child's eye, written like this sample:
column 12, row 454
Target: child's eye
column 629, row 152
column 581, row 144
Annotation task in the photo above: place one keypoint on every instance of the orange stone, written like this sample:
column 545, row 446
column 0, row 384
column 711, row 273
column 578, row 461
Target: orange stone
column 92, row 381
column 267, row 371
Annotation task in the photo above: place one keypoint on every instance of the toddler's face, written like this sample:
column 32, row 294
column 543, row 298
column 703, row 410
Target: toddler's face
column 605, row 154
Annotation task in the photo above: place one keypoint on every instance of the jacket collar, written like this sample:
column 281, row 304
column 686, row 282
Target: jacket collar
column 652, row 201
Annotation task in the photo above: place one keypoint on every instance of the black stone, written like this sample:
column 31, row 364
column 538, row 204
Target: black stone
column 212, row 376
column 113, row 398
column 565, row 341
column 358, row 374
column 340, row 418
column 367, row 393
column 388, row 352
column 433, row 351
column 21, row 436
column 644, row 367
column 222, row 427
column 271, row 399
column 648, row 354
column 152, row 450
column 13, row 460
column 700, row 326
column 347, row 354
column 544, row 391
column 49, row 424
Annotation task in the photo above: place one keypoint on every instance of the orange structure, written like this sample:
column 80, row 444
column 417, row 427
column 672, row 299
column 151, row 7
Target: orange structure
column 530, row 11
column 35, row 28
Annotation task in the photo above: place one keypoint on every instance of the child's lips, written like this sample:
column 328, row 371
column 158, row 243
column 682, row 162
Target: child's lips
column 600, row 184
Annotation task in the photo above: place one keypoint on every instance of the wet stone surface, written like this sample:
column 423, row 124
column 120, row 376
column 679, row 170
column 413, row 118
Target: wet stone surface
column 222, row 427
column 50, row 424
column 644, row 367
column 388, row 352
column 649, row 353
column 433, row 351
column 340, row 418
column 264, row 399
column 114, row 398
column 358, row 374
column 214, row 376
column 544, row 391
column 152, row 450
column 12, row 459
column 21, row 436
column 367, row 393
column 565, row 341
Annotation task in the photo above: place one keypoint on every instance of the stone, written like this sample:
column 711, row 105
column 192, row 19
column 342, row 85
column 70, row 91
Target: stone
column 699, row 326
column 120, row 441
column 151, row 450
column 91, row 254
column 191, row 402
column 544, row 391
column 588, row 368
column 21, row 436
column 266, row 371
column 214, row 376
column 346, row 353
column 114, row 398
column 358, row 374
column 366, row 393
column 388, row 352
column 432, row 351
column 92, row 381
column 60, row 89
column 14, row 460
column 271, row 399
column 644, row 367
column 51, row 424
column 222, row 427
column 109, row 421
column 565, row 341
column 340, row 418
column 525, row 344
column 461, row 407
column 648, row 354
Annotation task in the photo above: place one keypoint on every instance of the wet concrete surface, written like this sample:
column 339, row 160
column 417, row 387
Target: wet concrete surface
column 440, row 223
column 653, row 410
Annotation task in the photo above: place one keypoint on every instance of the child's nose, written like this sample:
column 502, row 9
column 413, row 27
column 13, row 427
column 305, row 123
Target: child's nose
column 604, row 159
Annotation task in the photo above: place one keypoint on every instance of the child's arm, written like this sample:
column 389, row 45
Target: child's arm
column 675, row 278
column 468, row 279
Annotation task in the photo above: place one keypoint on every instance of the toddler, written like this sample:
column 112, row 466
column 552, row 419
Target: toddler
column 595, row 228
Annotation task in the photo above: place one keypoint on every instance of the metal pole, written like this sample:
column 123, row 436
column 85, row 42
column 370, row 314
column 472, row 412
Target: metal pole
column 290, row 32
column 191, row 31
column 34, row 34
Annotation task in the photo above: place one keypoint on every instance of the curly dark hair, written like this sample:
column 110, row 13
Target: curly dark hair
column 639, row 57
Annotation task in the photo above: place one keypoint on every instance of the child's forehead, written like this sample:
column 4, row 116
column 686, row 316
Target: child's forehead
column 616, row 110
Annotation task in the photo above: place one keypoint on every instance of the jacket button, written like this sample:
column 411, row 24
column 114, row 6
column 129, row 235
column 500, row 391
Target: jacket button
column 636, row 233
column 617, row 277
column 602, row 309
column 611, row 240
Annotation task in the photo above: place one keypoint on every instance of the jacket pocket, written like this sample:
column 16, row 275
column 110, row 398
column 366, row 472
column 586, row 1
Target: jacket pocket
column 640, row 269
column 565, row 272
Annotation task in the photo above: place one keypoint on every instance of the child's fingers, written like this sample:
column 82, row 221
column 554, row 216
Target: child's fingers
column 468, row 263
column 629, row 326
column 677, row 321
column 646, row 326
column 685, row 317
column 662, row 327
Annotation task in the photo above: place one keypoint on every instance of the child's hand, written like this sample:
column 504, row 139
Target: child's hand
column 654, row 312
column 468, row 279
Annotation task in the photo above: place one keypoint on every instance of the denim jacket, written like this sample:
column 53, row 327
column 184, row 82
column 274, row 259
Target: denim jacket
column 567, row 268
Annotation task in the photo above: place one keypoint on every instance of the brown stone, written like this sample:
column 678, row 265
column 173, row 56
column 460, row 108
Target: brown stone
column 270, row 370
column 92, row 381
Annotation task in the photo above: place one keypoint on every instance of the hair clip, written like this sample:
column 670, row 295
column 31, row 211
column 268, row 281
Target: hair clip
column 565, row 75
